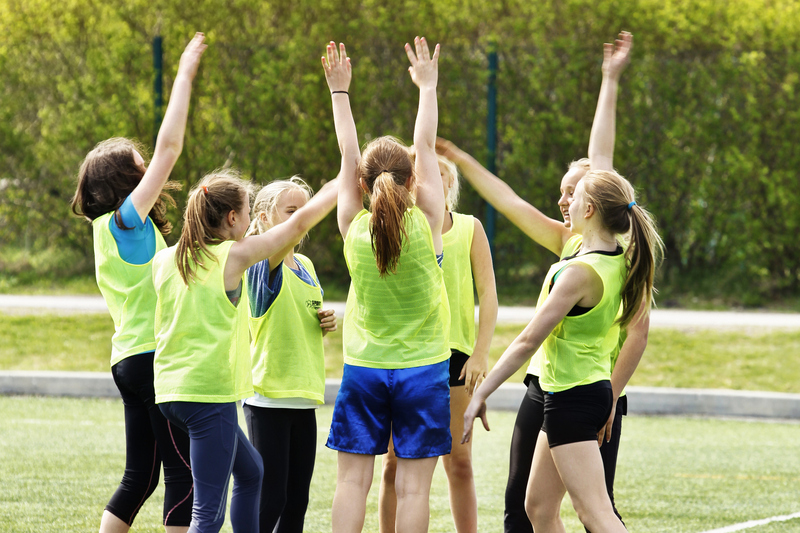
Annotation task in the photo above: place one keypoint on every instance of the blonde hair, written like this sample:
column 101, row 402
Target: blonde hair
column 583, row 163
column 210, row 201
column 450, row 171
column 267, row 202
column 613, row 198
column 385, row 167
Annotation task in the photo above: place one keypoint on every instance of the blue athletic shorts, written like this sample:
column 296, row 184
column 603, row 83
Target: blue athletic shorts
column 411, row 404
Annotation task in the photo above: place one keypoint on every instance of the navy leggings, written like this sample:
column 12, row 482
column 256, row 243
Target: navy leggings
column 150, row 441
column 523, row 441
column 287, row 441
column 219, row 448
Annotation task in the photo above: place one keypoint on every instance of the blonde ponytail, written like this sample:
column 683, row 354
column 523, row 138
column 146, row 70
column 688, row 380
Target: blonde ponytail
column 613, row 197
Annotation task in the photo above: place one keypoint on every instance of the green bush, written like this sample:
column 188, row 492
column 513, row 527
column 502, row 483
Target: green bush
column 706, row 122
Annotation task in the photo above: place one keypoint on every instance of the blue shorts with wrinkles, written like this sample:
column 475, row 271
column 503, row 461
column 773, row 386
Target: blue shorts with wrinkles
column 410, row 404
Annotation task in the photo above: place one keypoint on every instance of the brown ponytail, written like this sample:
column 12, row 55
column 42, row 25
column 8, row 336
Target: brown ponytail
column 613, row 197
column 217, row 194
column 108, row 175
column 386, row 168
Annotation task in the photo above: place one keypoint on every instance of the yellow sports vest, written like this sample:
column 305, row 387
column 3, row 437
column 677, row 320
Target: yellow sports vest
column 457, row 270
column 202, row 340
column 128, row 292
column 286, row 345
column 578, row 350
column 571, row 247
column 401, row 320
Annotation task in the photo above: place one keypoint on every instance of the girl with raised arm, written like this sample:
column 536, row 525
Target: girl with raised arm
column 287, row 323
column 397, row 319
column 554, row 235
column 125, row 200
column 468, row 257
column 202, row 363
column 578, row 305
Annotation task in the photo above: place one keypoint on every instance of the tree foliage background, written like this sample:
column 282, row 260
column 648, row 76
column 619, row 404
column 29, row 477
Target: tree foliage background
column 706, row 130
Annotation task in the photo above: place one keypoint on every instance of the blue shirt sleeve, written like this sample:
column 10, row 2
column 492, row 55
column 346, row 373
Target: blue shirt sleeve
column 136, row 245
column 260, row 291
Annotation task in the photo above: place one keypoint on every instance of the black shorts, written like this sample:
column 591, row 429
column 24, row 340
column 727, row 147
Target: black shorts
column 576, row 414
column 457, row 362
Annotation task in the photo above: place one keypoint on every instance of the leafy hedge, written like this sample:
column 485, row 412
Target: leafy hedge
column 706, row 121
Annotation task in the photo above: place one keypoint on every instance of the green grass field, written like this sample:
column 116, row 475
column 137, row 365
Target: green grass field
column 693, row 359
column 61, row 459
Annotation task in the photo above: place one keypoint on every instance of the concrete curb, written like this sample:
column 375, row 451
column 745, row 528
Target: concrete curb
column 642, row 400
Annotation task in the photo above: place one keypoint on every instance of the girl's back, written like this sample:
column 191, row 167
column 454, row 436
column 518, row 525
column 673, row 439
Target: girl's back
column 399, row 320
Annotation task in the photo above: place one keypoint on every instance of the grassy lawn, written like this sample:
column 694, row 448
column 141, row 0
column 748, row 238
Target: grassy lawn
column 675, row 474
column 702, row 359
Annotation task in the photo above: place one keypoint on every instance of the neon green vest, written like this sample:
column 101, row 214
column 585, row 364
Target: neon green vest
column 128, row 292
column 570, row 248
column 202, row 340
column 578, row 350
column 401, row 320
column 286, row 346
column 457, row 269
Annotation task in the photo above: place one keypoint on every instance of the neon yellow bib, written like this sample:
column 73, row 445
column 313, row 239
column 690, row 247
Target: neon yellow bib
column 286, row 349
column 457, row 270
column 202, row 340
column 401, row 320
column 578, row 350
column 128, row 292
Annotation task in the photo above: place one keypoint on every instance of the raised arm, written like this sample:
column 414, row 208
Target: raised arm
column 170, row 136
column 424, row 72
column 280, row 239
column 550, row 233
column 338, row 73
column 601, row 141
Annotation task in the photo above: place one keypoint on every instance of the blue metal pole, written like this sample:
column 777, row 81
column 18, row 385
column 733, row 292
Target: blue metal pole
column 491, row 139
column 158, row 85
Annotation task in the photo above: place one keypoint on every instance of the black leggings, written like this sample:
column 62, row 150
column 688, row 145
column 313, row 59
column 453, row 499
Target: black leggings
column 150, row 440
column 523, row 441
column 287, row 442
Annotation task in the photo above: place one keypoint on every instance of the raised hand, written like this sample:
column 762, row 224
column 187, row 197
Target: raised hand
column 190, row 59
column 337, row 68
column 617, row 56
column 424, row 69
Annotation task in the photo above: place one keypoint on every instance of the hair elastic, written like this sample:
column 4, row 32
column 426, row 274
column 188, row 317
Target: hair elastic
column 340, row 92
column 630, row 205
column 205, row 190
column 382, row 171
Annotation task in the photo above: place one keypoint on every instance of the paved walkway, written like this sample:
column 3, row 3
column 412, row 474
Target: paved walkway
column 660, row 318
column 643, row 400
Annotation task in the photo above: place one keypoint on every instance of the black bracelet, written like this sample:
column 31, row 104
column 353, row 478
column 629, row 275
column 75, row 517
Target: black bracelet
column 340, row 92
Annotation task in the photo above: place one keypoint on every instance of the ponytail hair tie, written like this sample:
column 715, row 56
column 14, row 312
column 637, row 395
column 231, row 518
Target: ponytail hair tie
column 382, row 171
column 205, row 190
column 630, row 205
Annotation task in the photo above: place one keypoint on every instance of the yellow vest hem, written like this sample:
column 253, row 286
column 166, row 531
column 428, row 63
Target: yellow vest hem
column 394, row 365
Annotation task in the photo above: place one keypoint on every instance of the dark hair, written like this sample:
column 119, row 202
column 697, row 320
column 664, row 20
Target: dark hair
column 108, row 175
column 210, row 201
column 613, row 197
column 385, row 167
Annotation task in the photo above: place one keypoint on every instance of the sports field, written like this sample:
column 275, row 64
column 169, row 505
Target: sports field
column 60, row 460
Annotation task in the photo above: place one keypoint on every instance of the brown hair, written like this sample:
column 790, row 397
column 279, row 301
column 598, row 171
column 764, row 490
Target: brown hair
column 385, row 167
column 108, row 175
column 613, row 197
column 210, row 201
